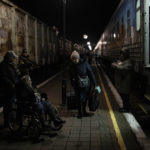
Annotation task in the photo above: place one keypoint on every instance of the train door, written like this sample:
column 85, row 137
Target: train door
column 147, row 32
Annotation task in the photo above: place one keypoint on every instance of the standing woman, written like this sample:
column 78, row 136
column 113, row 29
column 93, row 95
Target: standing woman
column 81, row 75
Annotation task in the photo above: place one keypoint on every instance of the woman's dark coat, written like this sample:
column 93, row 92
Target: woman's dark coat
column 81, row 69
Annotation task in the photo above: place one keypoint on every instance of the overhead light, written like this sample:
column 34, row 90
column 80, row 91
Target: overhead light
column 88, row 43
column 114, row 35
column 85, row 36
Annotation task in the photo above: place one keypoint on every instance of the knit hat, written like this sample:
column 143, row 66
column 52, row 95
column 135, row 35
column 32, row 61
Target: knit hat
column 9, row 54
column 75, row 54
column 44, row 95
column 25, row 53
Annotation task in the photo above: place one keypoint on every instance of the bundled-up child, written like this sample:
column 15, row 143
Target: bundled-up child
column 51, row 110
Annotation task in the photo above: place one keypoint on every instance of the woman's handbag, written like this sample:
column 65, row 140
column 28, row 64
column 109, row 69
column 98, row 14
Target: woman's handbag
column 93, row 102
column 83, row 81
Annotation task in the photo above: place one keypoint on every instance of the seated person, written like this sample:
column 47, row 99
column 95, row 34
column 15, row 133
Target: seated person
column 44, row 108
column 50, row 109
column 26, row 92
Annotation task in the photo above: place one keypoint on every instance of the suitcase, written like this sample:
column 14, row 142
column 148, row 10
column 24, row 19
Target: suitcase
column 71, row 100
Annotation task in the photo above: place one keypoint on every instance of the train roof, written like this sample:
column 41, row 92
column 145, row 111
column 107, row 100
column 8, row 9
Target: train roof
column 115, row 12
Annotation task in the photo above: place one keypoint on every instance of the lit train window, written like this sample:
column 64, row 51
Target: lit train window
column 118, row 30
column 128, row 23
column 122, row 27
column 138, row 22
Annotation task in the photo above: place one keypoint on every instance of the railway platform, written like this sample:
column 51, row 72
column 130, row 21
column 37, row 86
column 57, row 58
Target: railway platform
column 107, row 129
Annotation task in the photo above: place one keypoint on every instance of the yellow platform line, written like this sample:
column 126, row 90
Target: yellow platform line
column 147, row 97
column 114, row 121
column 143, row 109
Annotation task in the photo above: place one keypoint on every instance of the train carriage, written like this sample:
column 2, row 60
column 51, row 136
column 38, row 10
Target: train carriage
column 19, row 30
column 129, row 28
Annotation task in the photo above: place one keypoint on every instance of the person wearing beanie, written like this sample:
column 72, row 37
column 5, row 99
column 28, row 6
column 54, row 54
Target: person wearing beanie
column 81, row 76
column 75, row 57
column 25, row 64
column 124, row 78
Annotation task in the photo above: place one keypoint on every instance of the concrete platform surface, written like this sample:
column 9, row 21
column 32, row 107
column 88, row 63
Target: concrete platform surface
column 89, row 133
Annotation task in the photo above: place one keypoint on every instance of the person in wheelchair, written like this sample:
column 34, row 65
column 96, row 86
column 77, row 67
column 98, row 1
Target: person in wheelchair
column 47, row 112
column 26, row 92
column 50, row 109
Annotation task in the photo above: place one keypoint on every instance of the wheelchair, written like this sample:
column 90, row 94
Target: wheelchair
column 23, row 118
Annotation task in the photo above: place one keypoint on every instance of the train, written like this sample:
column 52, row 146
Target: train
column 20, row 30
column 128, row 28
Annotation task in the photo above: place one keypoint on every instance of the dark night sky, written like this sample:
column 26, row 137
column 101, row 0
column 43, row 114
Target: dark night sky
column 82, row 16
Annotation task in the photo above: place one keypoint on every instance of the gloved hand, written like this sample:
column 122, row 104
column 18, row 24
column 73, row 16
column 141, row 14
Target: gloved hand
column 98, row 89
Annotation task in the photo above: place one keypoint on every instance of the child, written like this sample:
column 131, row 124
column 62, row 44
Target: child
column 51, row 111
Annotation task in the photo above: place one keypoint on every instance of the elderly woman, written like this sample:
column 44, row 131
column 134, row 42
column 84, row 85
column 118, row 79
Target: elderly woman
column 81, row 75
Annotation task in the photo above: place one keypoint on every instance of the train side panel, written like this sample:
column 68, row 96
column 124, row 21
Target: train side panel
column 5, row 29
column 122, row 33
column 31, row 37
column 19, row 30
column 129, row 29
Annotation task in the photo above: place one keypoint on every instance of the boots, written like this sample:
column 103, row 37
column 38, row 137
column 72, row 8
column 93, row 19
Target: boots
column 82, row 111
column 85, row 114
column 61, row 120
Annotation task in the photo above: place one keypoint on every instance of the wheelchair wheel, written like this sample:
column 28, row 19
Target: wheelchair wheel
column 56, row 127
column 34, row 129
column 14, row 124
